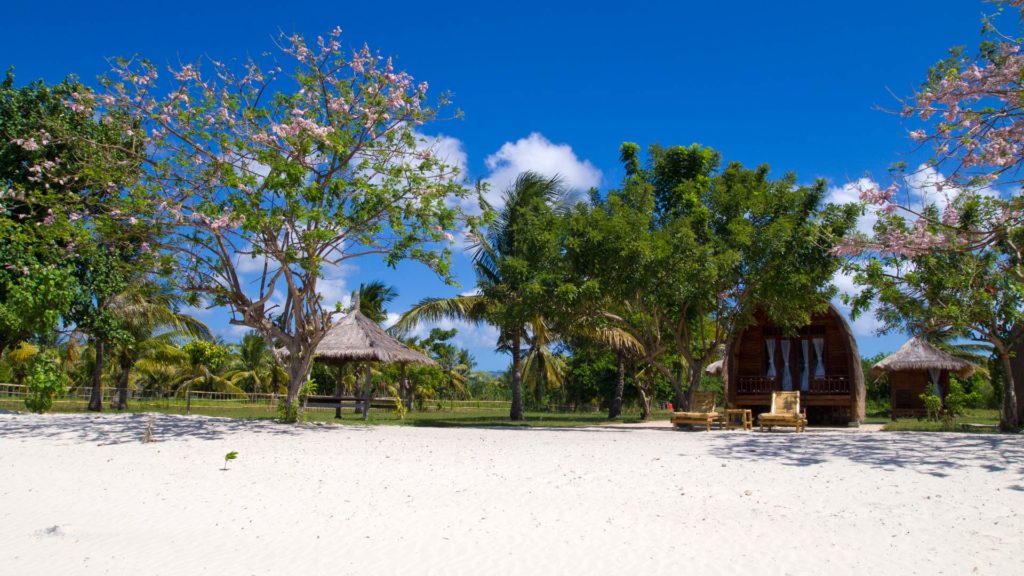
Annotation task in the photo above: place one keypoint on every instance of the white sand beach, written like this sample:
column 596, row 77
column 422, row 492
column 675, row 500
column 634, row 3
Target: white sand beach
column 82, row 494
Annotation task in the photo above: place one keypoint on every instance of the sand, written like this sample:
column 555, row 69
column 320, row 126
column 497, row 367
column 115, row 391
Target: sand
column 81, row 494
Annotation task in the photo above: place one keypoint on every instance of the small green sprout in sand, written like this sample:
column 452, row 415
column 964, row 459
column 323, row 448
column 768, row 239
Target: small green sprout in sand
column 229, row 456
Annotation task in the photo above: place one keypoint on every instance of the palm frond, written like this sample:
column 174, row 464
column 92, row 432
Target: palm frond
column 469, row 308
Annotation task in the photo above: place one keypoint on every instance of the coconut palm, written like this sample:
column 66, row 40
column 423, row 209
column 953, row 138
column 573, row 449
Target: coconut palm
column 148, row 313
column 510, row 262
column 254, row 368
column 373, row 297
column 542, row 368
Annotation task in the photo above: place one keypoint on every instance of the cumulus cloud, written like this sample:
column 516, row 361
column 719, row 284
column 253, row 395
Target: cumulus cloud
column 537, row 153
column 925, row 186
column 447, row 149
column 866, row 324
column 850, row 193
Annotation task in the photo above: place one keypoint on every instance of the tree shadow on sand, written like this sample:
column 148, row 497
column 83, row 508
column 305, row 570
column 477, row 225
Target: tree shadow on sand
column 110, row 429
column 927, row 453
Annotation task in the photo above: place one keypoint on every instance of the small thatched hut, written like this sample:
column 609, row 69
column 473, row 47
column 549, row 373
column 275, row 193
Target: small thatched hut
column 356, row 338
column 913, row 369
column 821, row 360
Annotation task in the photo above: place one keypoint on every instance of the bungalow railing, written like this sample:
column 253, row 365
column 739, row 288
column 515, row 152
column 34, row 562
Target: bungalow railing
column 765, row 385
column 755, row 385
column 830, row 385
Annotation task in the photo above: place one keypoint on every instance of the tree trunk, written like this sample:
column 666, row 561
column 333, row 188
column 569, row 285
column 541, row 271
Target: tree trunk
column 125, row 366
column 516, row 414
column 298, row 371
column 1011, row 419
column 694, row 376
column 405, row 390
column 679, row 396
column 96, row 398
column 645, row 389
column 615, row 410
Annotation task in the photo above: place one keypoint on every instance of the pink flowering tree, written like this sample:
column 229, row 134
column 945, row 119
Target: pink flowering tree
column 953, row 262
column 272, row 173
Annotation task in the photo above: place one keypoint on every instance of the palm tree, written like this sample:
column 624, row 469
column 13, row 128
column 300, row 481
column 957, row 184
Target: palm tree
column 507, row 261
column 148, row 313
column 373, row 297
column 542, row 368
column 254, row 367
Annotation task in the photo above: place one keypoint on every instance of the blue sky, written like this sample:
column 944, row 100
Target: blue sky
column 558, row 86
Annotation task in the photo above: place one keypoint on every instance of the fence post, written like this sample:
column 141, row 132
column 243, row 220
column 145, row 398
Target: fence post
column 188, row 401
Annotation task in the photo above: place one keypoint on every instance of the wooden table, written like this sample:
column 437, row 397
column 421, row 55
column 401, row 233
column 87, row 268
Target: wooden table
column 745, row 417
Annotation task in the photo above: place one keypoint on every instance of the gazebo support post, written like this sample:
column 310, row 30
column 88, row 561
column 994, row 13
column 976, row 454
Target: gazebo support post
column 339, row 388
column 366, row 391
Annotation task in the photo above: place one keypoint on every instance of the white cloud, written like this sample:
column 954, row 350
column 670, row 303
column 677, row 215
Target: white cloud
column 537, row 153
column 232, row 332
column 447, row 149
column 866, row 324
column 850, row 193
column 333, row 286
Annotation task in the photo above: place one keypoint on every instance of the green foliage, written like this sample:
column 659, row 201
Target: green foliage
column 206, row 354
column 290, row 413
column 877, row 388
column 45, row 381
column 61, row 174
column 963, row 290
column 299, row 169
column 953, row 405
column 517, row 270
column 932, row 405
column 684, row 254
column 228, row 457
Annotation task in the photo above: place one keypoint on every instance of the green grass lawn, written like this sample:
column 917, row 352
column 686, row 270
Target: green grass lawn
column 473, row 416
column 973, row 416
column 480, row 415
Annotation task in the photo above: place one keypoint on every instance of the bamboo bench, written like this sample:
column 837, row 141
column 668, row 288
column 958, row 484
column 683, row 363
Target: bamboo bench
column 339, row 402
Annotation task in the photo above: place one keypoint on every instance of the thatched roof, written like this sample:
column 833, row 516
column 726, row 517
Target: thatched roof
column 919, row 354
column 357, row 338
column 715, row 368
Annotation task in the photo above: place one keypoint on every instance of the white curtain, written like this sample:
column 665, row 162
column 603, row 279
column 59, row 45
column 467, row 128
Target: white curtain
column 819, row 365
column 770, row 345
column 787, row 378
column 805, row 384
column 934, row 374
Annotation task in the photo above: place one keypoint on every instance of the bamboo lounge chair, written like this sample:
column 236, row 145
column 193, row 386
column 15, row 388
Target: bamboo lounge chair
column 785, row 412
column 704, row 411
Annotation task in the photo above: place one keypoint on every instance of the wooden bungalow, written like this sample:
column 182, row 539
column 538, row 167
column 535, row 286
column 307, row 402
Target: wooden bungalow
column 915, row 368
column 820, row 360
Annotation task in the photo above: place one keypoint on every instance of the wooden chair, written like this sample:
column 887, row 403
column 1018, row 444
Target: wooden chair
column 703, row 407
column 785, row 412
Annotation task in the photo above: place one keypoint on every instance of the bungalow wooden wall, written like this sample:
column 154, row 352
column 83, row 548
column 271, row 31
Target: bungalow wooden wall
column 752, row 355
column 907, row 387
column 747, row 358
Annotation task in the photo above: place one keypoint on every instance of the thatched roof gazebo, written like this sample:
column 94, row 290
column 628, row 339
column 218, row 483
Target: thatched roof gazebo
column 356, row 338
column 917, row 365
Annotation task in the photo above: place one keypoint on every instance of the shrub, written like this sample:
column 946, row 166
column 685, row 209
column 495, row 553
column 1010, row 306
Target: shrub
column 45, row 381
